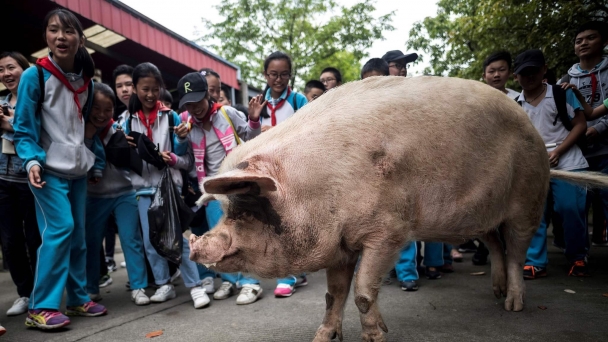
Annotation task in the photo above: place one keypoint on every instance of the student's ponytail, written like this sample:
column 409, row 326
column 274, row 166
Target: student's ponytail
column 84, row 62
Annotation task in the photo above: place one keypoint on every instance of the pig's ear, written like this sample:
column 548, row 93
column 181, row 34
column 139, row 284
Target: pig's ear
column 206, row 198
column 238, row 182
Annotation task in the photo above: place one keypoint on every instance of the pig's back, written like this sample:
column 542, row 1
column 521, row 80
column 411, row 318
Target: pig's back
column 426, row 145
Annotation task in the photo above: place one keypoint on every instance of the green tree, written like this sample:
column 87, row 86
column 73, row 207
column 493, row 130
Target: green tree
column 465, row 32
column 252, row 29
column 345, row 61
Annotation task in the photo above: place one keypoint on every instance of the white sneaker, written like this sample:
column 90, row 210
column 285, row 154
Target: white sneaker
column 163, row 294
column 175, row 275
column 95, row 297
column 249, row 294
column 123, row 264
column 208, row 285
column 199, row 296
column 139, row 297
column 19, row 307
column 106, row 280
column 225, row 291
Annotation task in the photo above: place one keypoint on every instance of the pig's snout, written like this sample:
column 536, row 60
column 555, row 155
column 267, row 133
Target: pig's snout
column 209, row 249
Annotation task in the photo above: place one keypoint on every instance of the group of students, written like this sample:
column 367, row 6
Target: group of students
column 61, row 190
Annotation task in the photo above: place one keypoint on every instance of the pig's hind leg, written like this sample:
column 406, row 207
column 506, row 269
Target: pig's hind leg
column 339, row 279
column 497, row 257
column 375, row 262
column 518, row 234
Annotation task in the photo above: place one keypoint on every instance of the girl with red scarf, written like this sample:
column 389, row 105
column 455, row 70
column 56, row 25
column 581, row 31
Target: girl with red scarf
column 54, row 98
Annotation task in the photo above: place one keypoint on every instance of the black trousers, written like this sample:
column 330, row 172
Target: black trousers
column 19, row 234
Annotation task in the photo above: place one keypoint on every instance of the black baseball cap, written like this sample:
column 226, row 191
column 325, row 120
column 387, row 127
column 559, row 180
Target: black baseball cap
column 529, row 58
column 192, row 88
column 396, row 55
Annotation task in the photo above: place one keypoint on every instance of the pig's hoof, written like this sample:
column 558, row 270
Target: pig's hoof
column 326, row 334
column 514, row 302
column 499, row 285
column 376, row 336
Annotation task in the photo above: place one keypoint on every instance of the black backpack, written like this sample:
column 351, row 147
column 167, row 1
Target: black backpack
column 559, row 96
column 85, row 109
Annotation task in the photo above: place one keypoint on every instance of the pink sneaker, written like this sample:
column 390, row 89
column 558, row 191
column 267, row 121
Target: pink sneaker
column 284, row 290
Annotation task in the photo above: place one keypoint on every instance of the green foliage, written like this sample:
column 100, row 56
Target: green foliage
column 252, row 29
column 345, row 61
column 465, row 32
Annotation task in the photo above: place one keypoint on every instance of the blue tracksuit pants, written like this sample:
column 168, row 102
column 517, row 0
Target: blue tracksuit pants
column 436, row 254
column 569, row 205
column 203, row 272
column 159, row 265
column 214, row 214
column 124, row 208
column 61, row 257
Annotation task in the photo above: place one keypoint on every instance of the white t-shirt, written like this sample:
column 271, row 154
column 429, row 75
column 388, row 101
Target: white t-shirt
column 543, row 117
column 512, row 94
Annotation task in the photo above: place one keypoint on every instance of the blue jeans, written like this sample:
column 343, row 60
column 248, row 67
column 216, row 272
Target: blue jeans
column 203, row 272
column 569, row 204
column 159, row 265
column 214, row 214
column 124, row 208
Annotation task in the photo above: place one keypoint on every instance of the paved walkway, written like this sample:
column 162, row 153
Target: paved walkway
column 458, row 307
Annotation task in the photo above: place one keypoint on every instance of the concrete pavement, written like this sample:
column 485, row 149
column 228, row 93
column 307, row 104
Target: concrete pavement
column 458, row 307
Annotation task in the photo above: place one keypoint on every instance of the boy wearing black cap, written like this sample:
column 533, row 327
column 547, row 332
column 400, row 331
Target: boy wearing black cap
column 560, row 129
column 397, row 62
column 213, row 131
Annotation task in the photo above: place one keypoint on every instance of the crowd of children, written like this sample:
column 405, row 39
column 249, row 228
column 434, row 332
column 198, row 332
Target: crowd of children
column 69, row 179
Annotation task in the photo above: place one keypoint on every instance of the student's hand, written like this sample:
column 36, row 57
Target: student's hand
column 130, row 141
column 89, row 130
column 592, row 134
column 35, row 177
column 166, row 156
column 181, row 130
column 10, row 112
column 553, row 158
column 255, row 108
column 265, row 128
column 94, row 180
column 4, row 124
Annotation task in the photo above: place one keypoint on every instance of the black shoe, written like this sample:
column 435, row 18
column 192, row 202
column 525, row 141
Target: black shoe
column 111, row 265
column 409, row 285
column 480, row 257
column 468, row 247
column 433, row 274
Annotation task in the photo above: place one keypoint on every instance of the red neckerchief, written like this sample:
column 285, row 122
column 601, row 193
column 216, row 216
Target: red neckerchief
column 273, row 109
column 151, row 118
column 213, row 109
column 48, row 65
column 104, row 132
column 593, row 85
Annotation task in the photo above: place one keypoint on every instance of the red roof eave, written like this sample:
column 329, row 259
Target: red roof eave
column 142, row 32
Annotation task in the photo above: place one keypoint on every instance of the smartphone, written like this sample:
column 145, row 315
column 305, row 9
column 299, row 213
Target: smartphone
column 5, row 110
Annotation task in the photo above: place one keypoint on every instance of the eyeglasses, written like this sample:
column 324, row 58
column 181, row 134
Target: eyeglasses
column 397, row 66
column 327, row 80
column 274, row 76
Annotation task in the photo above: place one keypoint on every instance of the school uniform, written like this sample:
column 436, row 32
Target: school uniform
column 114, row 194
column 54, row 140
column 210, row 147
column 568, row 200
column 593, row 85
column 146, row 185
column 18, row 228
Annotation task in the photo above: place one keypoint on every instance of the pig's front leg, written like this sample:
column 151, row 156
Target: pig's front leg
column 338, row 286
column 374, row 264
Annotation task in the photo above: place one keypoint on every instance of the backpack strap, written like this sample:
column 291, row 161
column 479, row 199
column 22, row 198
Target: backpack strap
column 41, row 84
column 171, row 127
column 559, row 96
column 236, row 136
column 86, row 110
column 295, row 102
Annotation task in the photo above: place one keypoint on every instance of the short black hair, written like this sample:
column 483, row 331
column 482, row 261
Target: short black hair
column 375, row 64
column 599, row 26
column 105, row 90
column 165, row 96
column 314, row 84
column 498, row 56
column 122, row 70
column 336, row 72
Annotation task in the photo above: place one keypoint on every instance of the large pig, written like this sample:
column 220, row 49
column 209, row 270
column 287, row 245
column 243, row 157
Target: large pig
column 366, row 168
